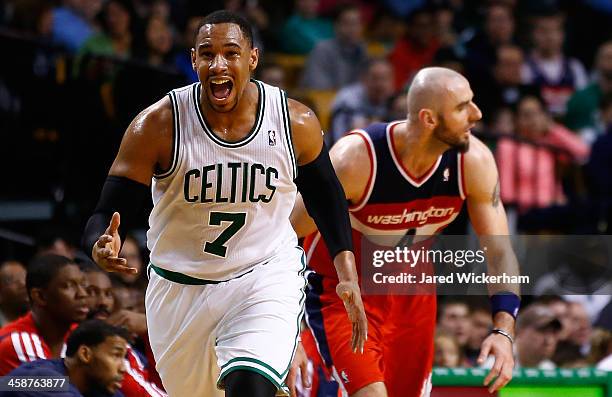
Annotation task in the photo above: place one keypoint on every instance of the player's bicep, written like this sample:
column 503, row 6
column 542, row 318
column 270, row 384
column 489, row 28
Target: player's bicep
column 485, row 207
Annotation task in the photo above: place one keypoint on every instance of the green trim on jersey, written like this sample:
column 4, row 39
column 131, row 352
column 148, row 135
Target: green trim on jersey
column 176, row 138
column 255, row 365
column 181, row 278
column 197, row 87
column 288, row 132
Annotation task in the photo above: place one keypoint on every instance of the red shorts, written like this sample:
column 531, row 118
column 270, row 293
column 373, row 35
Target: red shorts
column 399, row 350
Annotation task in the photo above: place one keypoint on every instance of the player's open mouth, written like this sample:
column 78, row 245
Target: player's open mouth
column 221, row 88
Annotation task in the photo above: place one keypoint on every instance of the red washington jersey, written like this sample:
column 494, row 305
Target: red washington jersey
column 396, row 204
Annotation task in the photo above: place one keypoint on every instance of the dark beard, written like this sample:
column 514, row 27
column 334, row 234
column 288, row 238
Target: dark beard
column 441, row 133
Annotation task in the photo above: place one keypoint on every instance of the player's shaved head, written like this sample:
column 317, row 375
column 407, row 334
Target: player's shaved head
column 429, row 88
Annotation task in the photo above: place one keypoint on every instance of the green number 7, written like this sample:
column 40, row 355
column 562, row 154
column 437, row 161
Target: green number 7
column 237, row 219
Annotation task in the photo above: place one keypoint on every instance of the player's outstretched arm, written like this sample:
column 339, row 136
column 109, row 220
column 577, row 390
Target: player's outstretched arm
column 325, row 201
column 146, row 144
column 489, row 220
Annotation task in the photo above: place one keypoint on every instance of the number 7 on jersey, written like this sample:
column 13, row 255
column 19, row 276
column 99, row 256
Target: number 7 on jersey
column 218, row 247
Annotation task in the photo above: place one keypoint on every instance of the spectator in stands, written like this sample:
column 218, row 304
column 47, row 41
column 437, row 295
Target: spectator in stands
column 599, row 170
column 481, row 49
column 336, row 62
column 94, row 363
column 161, row 9
column 480, row 328
column 454, row 318
column 125, row 296
column 255, row 14
column 182, row 60
column 502, row 121
column 136, row 283
column 304, row 29
column 581, row 329
column 447, row 352
column 600, row 355
column 560, row 307
column 362, row 103
column 34, row 17
column 73, row 23
column 528, row 172
column 445, row 29
column 273, row 74
column 58, row 299
column 547, row 67
column 159, row 42
column 13, row 295
column 130, row 250
column 398, row 104
column 140, row 376
column 54, row 240
column 416, row 49
column 582, row 108
column 116, row 38
column 536, row 337
column 505, row 87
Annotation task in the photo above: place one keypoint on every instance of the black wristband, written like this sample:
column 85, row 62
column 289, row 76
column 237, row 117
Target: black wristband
column 326, row 203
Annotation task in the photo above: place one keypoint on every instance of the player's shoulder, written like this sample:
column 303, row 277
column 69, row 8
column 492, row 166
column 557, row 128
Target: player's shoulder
column 156, row 118
column 301, row 116
column 478, row 155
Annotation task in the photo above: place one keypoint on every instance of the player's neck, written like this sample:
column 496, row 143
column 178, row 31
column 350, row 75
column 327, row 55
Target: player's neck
column 236, row 123
column 416, row 150
column 76, row 375
column 52, row 331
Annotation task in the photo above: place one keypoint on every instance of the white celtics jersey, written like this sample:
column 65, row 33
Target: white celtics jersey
column 223, row 207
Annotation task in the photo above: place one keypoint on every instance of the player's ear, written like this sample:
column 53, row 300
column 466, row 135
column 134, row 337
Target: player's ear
column 193, row 59
column 37, row 297
column 253, row 59
column 427, row 118
column 85, row 354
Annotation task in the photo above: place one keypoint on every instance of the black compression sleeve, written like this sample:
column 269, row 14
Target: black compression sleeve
column 119, row 194
column 325, row 202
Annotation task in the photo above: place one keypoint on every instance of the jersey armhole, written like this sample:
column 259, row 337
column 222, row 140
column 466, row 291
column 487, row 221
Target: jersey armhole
column 288, row 141
column 176, row 137
column 372, row 177
column 461, row 176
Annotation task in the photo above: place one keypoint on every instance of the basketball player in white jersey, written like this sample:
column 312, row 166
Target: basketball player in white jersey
column 224, row 159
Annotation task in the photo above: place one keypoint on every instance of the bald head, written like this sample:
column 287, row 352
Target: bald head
column 431, row 87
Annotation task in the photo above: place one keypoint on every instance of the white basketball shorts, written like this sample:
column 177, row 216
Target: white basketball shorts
column 201, row 333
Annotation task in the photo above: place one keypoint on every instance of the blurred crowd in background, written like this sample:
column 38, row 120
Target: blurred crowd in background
column 76, row 72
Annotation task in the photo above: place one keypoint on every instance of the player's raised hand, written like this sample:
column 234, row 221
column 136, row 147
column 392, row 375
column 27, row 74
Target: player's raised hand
column 350, row 294
column 105, row 251
column 501, row 348
column 299, row 363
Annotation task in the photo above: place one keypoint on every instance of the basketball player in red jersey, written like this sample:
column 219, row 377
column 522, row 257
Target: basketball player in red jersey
column 417, row 172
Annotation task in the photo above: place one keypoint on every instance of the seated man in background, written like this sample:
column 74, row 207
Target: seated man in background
column 58, row 300
column 536, row 337
column 13, row 295
column 94, row 364
column 141, row 375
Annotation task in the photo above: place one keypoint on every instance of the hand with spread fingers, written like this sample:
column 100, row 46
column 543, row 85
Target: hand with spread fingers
column 501, row 372
column 350, row 294
column 105, row 251
column 299, row 363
